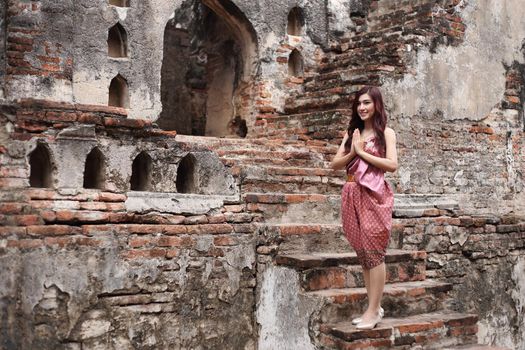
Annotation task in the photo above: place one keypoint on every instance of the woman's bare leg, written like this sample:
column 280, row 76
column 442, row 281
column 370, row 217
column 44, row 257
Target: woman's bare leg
column 366, row 275
column 377, row 276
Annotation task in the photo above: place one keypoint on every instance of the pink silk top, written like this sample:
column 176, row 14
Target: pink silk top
column 365, row 174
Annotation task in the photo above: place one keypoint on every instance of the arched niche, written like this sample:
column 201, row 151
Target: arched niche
column 208, row 70
column 117, row 41
column 94, row 170
column 118, row 92
column 186, row 175
column 296, row 64
column 141, row 172
column 295, row 22
column 41, row 172
column 119, row 3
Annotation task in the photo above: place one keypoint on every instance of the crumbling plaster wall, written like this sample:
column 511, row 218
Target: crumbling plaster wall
column 458, row 85
column 93, row 70
column 468, row 80
column 80, row 298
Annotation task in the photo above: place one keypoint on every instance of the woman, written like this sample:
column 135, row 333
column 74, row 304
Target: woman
column 368, row 150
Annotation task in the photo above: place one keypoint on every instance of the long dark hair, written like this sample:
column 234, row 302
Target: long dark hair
column 379, row 121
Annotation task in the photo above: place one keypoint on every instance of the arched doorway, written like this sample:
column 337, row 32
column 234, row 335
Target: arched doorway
column 208, row 70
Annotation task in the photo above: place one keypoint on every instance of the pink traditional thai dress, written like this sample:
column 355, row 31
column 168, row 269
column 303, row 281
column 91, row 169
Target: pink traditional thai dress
column 366, row 209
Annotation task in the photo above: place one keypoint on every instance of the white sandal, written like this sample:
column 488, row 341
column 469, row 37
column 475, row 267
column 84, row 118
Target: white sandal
column 359, row 319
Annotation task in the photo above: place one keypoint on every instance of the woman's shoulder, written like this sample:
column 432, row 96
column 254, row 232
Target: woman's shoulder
column 389, row 132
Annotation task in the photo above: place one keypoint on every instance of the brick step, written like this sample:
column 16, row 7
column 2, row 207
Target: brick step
column 291, row 179
column 303, row 238
column 346, row 78
column 475, row 347
column 303, row 105
column 331, row 270
column 360, row 49
column 237, row 162
column 297, row 184
column 357, row 57
column 320, row 259
column 400, row 298
column 310, row 119
column 288, row 208
column 257, row 144
column 341, row 90
column 305, row 159
column 435, row 330
column 305, row 124
column 279, row 207
column 326, row 133
column 253, row 171
column 290, row 153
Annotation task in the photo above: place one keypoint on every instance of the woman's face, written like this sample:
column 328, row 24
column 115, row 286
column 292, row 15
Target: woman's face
column 365, row 107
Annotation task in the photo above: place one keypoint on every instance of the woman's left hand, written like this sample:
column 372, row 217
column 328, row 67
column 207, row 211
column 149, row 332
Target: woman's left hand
column 357, row 142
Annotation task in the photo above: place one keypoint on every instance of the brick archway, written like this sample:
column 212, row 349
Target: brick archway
column 208, row 70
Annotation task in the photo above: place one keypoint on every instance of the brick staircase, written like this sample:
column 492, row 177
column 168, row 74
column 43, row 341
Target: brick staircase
column 415, row 308
column 376, row 50
column 289, row 184
column 285, row 178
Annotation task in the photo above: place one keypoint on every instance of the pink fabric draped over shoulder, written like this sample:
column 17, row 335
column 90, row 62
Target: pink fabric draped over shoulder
column 366, row 209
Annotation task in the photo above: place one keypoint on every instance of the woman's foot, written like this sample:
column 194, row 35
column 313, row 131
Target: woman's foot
column 368, row 322
column 360, row 319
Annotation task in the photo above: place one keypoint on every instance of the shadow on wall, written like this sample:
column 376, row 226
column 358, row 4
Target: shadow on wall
column 41, row 171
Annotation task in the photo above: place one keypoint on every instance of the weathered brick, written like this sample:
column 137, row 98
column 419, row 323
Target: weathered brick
column 299, row 229
column 225, row 240
column 196, row 219
column 6, row 231
column 25, row 243
column 210, row 229
column 26, row 220
column 137, row 242
column 53, row 230
column 175, row 229
column 13, row 182
column 144, row 229
column 111, row 197
column 182, row 242
column 91, row 230
column 12, row 208
column 146, row 253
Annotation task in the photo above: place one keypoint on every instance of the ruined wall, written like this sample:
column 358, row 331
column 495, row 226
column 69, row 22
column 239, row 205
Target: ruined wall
column 3, row 41
column 76, row 285
column 425, row 55
column 466, row 100
column 114, row 269
column 39, row 55
column 66, row 55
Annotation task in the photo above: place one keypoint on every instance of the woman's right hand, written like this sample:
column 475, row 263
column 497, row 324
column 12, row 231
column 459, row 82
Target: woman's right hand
column 342, row 157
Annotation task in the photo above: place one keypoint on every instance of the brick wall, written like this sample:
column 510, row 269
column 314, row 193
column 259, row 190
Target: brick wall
column 3, row 34
column 99, row 276
column 29, row 51
column 118, row 269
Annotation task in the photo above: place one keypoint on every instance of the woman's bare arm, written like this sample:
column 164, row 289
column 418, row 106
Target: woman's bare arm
column 342, row 158
column 389, row 163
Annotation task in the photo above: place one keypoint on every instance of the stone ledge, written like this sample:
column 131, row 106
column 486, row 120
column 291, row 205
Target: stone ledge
column 176, row 203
